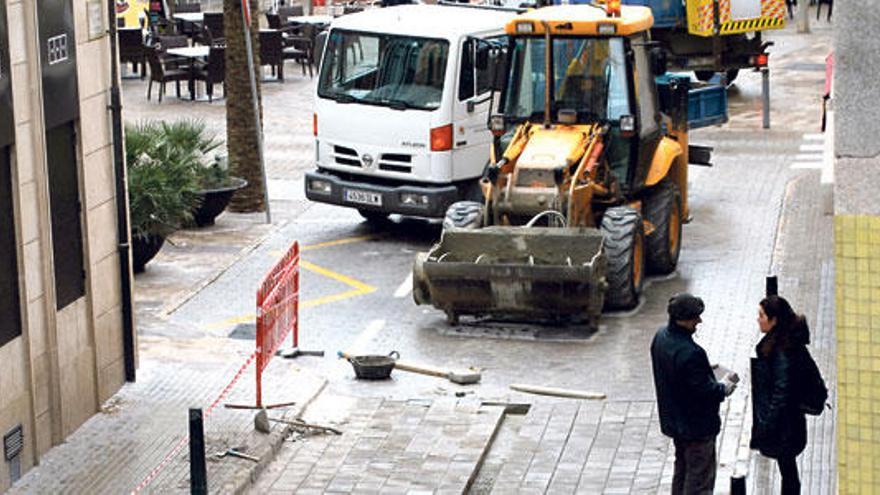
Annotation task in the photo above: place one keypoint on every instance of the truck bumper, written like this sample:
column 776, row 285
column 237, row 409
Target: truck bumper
column 424, row 201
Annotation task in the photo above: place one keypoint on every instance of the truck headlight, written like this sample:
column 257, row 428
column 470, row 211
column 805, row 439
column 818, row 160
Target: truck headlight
column 320, row 186
column 414, row 199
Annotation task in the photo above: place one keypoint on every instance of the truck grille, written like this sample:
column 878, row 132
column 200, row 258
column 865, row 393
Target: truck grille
column 346, row 156
column 395, row 162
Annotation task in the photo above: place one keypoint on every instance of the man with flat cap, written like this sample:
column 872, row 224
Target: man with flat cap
column 688, row 396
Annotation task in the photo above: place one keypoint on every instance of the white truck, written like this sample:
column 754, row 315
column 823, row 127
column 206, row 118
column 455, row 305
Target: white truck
column 401, row 109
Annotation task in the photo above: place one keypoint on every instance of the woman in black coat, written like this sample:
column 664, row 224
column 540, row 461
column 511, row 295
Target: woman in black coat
column 779, row 428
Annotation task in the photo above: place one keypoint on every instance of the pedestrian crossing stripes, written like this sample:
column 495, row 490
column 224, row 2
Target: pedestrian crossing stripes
column 815, row 154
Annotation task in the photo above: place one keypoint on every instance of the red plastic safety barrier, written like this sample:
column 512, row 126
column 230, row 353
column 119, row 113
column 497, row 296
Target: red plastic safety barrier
column 277, row 311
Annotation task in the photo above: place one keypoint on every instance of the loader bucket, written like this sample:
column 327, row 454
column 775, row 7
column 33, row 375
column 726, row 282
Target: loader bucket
column 518, row 272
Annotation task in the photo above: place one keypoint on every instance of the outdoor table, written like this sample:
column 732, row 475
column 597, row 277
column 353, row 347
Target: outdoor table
column 193, row 53
column 197, row 17
column 318, row 20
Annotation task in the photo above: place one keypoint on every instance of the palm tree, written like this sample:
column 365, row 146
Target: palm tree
column 241, row 133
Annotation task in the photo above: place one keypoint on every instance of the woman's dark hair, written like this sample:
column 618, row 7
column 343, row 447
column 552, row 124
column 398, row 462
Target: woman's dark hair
column 790, row 329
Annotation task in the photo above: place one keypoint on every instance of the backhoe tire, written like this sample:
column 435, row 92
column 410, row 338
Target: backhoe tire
column 624, row 248
column 464, row 215
column 662, row 209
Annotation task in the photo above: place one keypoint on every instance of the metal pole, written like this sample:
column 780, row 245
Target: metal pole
column 198, row 473
column 738, row 482
column 256, row 101
column 803, row 17
column 765, row 92
column 122, row 227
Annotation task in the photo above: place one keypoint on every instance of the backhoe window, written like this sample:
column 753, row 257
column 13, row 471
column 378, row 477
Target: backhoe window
column 397, row 71
column 589, row 76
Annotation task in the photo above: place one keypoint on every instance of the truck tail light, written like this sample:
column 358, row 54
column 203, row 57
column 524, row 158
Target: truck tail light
column 441, row 138
column 315, row 124
column 761, row 60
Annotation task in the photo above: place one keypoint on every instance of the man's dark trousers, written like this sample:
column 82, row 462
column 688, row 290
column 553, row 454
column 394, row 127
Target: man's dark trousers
column 694, row 467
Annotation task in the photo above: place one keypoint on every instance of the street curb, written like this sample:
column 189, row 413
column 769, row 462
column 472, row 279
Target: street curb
column 486, row 448
column 174, row 305
column 269, row 450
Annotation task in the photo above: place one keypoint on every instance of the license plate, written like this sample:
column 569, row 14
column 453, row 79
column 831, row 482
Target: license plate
column 363, row 197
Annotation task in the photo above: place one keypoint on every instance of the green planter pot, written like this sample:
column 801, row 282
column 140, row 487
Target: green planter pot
column 143, row 250
column 214, row 201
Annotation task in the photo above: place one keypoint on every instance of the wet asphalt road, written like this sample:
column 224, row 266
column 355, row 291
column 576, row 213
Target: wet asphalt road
column 356, row 287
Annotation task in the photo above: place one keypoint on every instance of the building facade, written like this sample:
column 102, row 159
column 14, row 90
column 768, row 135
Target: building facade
column 857, row 244
column 64, row 344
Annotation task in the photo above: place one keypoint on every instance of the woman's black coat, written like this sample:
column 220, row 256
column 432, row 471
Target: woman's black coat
column 779, row 428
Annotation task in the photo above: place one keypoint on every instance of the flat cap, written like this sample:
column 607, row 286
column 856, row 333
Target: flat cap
column 685, row 306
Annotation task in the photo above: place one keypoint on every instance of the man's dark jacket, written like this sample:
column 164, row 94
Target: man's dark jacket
column 688, row 396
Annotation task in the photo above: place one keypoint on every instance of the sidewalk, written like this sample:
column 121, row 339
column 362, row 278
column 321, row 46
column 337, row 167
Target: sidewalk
column 131, row 439
column 442, row 445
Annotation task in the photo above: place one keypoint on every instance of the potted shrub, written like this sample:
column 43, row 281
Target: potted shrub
column 216, row 188
column 162, row 184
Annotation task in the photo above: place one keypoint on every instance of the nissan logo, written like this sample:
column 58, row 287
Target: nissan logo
column 367, row 160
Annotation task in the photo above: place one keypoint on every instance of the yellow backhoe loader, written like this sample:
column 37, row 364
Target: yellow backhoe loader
column 586, row 187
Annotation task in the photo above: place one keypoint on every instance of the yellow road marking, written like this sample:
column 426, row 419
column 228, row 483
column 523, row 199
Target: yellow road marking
column 359, row 289
column 277, row 253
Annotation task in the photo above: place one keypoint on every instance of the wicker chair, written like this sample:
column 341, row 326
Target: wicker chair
column 131, row 49
column 162, row 75
column 272, row 51
column 214, row 71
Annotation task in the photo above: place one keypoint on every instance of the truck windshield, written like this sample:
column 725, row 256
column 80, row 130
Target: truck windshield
column 380, row 69
column 589, row 76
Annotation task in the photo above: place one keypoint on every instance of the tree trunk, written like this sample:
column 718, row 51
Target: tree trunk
column 241, row 132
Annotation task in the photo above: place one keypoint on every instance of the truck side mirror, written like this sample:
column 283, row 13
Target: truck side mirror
column 658, row 61
column 320, row 41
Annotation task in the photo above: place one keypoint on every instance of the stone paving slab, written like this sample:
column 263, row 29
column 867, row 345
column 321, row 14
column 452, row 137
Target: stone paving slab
column 119, row 447
column 387, row 446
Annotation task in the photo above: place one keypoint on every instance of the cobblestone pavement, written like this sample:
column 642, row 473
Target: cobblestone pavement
column 135, row 432
column 753, row 215
column 387, row 446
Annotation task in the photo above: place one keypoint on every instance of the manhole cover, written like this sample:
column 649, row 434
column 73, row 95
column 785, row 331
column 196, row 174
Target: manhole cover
column 244, row 331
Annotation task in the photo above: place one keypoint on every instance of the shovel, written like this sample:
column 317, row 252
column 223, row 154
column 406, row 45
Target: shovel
column 235, row 453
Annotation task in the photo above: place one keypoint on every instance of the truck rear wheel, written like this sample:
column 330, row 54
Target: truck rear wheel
column 464, row 215
column 624, row 247
column 663, row 210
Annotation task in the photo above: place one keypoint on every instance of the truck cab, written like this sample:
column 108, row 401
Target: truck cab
column 401, row 107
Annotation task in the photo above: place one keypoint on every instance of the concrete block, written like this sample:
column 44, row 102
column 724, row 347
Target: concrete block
column 41, row 383
column 96, row 133
column 24, row 153
column 33, row 270
column 36, row 326
column 22, row 93
column 29, row 208
column 108, row 337
column 16, row 22
column 92, row 80
column 98, row 177
column 101, row 222
column 105, row 284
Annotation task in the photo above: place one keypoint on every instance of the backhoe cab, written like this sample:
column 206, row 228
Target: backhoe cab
column 586, row 187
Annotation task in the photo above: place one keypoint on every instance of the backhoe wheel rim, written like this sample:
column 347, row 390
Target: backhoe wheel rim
column 674, row 229
column 638, row 260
